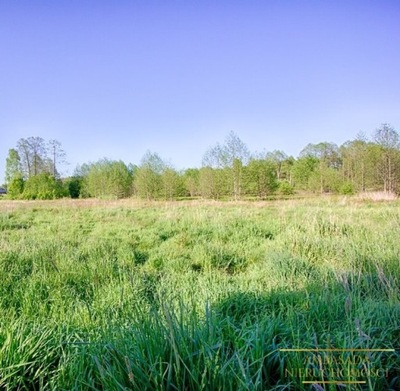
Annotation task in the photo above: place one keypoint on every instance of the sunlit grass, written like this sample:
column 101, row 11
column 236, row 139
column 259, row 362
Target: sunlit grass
column 146, row 295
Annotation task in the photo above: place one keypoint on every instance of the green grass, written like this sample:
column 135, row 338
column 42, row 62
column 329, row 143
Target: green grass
column 118, row 295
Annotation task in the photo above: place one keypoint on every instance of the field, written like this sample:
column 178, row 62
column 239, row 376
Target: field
column 129, row 295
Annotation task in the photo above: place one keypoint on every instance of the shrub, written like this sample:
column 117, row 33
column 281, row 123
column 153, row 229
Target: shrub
column 16, row 187
column 286, row 188
column 74, row 186
column 347, row 189
column 43, row 187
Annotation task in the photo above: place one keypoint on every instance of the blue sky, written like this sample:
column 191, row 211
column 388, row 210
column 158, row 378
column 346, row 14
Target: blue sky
column 116, row 78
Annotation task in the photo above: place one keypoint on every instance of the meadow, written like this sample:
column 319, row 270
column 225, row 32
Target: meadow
column 130, row 295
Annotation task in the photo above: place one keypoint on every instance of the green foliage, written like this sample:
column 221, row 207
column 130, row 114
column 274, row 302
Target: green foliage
column 107, row 179
column 43, row 187
column 74, row 186
column 325, row 180
column 16, row 187
column 281, row 162
column 13, row 166
column 347, row 189
column 388, row 141
column 191, row 181
column 302, row 171
column 214, row 183
column 286, row 188
column 149, row 183
column 261, row 178
column 229, row 159
column 229, row 171
column 172, row 184
column 207, row 183
column 326, row 153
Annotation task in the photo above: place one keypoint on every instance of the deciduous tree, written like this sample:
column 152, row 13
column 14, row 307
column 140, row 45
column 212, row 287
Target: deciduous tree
column 32, row 152
column 191, row 180
column 388, row 141
column 108, row 178
column 231, row 157
column 13, row 166
column 261, row 178
column 57, row 156
column 148, row 176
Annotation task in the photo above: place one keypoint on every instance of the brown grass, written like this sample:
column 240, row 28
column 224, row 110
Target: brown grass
column 377, row 196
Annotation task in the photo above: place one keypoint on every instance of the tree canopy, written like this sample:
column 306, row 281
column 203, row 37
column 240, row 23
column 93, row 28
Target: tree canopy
column 229, row 171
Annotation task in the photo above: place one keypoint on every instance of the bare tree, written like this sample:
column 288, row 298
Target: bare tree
column 33, row 155
column 57, row 155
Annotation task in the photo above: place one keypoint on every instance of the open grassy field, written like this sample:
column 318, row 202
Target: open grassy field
column 128, row 295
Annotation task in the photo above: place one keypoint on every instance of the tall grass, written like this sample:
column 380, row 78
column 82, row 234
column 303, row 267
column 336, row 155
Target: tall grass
column 179, row 296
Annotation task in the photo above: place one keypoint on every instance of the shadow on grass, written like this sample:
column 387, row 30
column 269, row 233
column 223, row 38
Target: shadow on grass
column 255, row 327
column 234, row 345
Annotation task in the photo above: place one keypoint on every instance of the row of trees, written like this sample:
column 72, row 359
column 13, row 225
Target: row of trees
column 357, row 165
column 229, row 170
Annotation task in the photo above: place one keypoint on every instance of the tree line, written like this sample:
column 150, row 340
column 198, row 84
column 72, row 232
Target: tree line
column 229, row 171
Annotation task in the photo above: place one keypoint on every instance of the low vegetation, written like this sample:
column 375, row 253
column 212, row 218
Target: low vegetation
column 116, row 295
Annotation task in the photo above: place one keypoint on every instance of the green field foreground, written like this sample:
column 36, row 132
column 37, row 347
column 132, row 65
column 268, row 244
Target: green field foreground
column 128, row 295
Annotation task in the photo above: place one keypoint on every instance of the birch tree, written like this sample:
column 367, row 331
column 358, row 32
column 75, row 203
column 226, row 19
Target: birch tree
column 388, row 141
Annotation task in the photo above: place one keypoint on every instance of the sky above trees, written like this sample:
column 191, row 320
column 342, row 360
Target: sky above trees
column 115, row 79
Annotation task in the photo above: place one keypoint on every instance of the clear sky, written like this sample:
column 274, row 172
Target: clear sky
column 116, row 78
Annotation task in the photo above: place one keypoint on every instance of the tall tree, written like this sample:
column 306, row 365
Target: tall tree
column 237, row 155
column 232, row 155
column 325, row 152
column 171, row 183
column 26, row 157
column 388, row 141
column 191, row 178
column 108, row 178
column 277, row 158
column 148, row 176
column 214, row 182
column 303, row 169
column 57, row 155
column 328, row 157
column 261, row 177
column 357, row 163
column 13, row 165
column 33, row 155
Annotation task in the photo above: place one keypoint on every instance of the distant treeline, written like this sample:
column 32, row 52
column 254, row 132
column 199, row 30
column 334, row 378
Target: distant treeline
column 229, row 171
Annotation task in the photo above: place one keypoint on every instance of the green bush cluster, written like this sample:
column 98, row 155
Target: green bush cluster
column 39, row 187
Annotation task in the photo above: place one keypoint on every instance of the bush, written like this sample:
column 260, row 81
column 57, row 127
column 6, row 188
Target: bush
column 286, row 188
column 43, row 187
column 74, row 186
column 16, row 187
column 347, row 189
